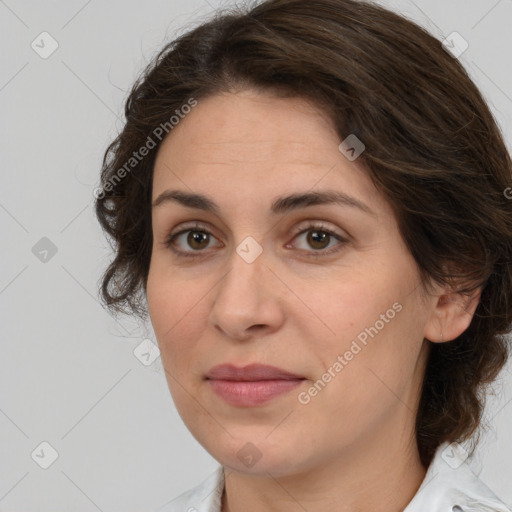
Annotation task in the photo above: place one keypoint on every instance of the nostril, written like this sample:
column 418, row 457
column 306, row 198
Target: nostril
column 457, row 508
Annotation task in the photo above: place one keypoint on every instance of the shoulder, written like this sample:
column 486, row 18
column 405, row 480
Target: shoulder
column 451, row 486
column 206, row 497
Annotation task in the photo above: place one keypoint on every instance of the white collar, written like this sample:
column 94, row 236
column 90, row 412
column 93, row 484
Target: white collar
column 449, row 486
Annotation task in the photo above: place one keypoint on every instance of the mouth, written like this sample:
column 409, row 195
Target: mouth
column 251, row 385
column 252, row 372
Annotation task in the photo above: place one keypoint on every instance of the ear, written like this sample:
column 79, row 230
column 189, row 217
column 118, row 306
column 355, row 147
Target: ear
column 451, row 315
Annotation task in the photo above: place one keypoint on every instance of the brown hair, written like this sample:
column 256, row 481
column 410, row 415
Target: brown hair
column 433, row 149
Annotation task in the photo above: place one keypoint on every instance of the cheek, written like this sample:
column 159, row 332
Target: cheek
column 350, row 304
column 374, row 323
column 178, row 308
column 175, row 337
column 170, row 297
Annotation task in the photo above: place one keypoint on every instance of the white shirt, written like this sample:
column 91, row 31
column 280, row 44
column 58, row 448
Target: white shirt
column 449, row 486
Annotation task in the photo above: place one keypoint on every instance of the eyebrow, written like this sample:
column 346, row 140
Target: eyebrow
column 279, row 206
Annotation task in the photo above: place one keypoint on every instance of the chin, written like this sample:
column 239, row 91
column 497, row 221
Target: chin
column 255, row 455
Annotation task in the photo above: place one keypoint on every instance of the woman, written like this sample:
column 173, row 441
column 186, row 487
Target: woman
column 308, row 201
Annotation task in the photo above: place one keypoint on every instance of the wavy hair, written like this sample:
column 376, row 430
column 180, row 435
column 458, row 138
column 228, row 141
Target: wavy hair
column 433, row 148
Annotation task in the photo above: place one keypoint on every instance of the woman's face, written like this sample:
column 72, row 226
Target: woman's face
column 324, row 290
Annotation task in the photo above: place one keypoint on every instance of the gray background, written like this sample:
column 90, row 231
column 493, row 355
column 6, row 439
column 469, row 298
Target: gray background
column 68, row 371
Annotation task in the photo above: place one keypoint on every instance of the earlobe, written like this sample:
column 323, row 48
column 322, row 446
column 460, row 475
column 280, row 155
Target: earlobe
column 451, row 316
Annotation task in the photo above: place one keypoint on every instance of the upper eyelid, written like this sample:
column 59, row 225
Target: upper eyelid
column 300, row 228
column 302, row 225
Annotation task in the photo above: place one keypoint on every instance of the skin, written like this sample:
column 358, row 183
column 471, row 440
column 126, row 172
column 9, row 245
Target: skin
column 352, row 446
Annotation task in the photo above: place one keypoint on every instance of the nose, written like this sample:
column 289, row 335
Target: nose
column 247, row 300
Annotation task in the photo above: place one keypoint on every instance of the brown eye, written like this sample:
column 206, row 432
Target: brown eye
column 317, row 239
column 190, row 242
column 197, row 240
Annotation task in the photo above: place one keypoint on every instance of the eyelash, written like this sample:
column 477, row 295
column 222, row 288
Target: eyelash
column 311, row 227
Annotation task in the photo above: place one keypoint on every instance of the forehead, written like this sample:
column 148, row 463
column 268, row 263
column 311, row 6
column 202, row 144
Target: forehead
column 256, row 143
column 251, row 126
column 256, row 117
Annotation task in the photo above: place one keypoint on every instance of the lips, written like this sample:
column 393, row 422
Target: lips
column 251, row 386
column 252, row 372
